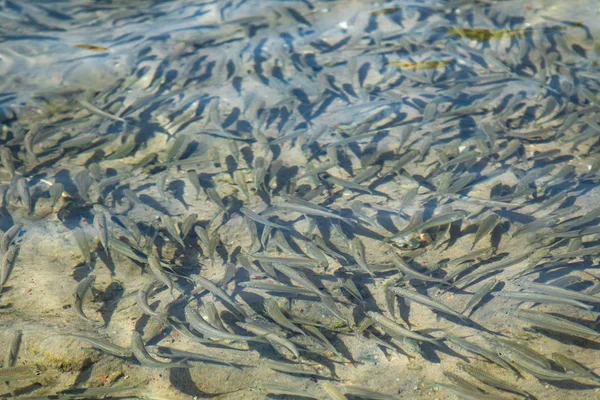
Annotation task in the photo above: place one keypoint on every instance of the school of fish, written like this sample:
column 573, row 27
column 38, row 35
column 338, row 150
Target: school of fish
column 312, row 199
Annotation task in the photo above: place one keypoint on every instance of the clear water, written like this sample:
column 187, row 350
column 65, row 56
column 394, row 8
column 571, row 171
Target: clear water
column 128, row 126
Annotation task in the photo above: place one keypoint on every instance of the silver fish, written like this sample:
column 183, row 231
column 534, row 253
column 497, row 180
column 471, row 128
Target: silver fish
column 141, row 354
column 9, row 236
column 81, row 290
column 394, row 328
column 199, row 324
column 8, row 263
column 83, row 244
column 426, row 301
column 485, row 227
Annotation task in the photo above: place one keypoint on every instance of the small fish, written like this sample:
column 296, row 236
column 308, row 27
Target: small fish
column 220, row 293
column 478, row 350
column 133, row 198
column 366, row 393
column 7, row 161
column 542, row 298
column 214, row 153
column 96, row 392
column 486, row 377
column 177, row 149
column 174, row 353
column 426, row 301
column 313, row 251
column 500, row 345
column 485, row 227
column 313, row 330
column 271, row 337
column 465, row 393
column 100, row 224
column 8, row 264
column 260, row 219
column 187, row 224
column 240, row 180
column 359, row 253
column 9, row 236
column 329, row 303
column 318, row 241
column 314, row 210
column 412, row 347
column 462, row 382
column 298, row 277
column 565, row 293
column 158, row 271
column 511, row 149
column 315, row 171
column 141, row 354
column 405, row 268
column 332, row 391
column 202, row 235
column 276, row 287
column 213, row 317
column 552, row 322
column 56, row 192
column 443, row 219
column 192, row 175
column 12, row 354
column 574, row 245
column 284, row 390
column 574, row 366
column 347, row 184
column 253, row 231
column 260, row 173
column 478, row 296
column 198, row 323
column 290, row 368
column 95, row 171
column 101, row 344
column 171, row 227
column 592, row 250
column 127, row 250
column 266, row 234
column 357, row 209
column 83, row 244
column 403, row 160
column 566, row 281
column 489, row 268
column 393, row 328
column 24, row 195
column 146, row 160
column 291, row 261
column 12, row 350
column 214, row 197
column 215, row 241
column 234, row 149
column 349, row 285
column 366, row 174
column 83, row 287
column 274, row 312
column 142, row 301
column 20, row 372
column 283, row 245
column 545, row 373
column 83, row 182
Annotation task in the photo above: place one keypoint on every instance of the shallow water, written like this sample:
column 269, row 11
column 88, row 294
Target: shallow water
column 430, row 146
